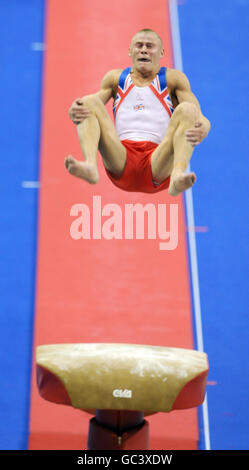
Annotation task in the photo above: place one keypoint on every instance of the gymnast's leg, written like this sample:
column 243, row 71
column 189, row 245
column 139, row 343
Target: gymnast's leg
column 172, row 156
column 97, row 132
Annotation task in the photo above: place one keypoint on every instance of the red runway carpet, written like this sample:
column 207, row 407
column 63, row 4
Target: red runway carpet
column 100, row 290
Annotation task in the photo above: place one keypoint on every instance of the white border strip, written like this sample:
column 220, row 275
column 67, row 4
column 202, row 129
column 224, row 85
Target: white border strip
column 31, row 184
column 177, row 54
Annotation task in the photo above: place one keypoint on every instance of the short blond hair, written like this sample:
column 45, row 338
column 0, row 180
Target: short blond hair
column 148, row 30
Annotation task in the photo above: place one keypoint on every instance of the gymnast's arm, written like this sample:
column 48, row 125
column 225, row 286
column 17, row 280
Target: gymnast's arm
column 180, row 88
column 78, row 112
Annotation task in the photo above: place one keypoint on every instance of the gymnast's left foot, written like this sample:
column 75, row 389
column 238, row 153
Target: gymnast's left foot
column 180, row 181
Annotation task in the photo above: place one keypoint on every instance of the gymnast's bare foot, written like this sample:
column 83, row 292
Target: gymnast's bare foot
column 84, row 170
column 180, row 181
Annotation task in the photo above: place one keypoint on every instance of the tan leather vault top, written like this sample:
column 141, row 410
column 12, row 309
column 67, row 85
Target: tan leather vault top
column 121, row 376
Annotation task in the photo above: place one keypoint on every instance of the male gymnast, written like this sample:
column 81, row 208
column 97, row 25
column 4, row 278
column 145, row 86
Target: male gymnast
column 158, row 122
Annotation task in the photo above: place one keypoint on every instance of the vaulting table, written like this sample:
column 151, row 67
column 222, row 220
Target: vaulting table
column 120, row 384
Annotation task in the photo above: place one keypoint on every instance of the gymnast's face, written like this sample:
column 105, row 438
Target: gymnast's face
column 146, row 51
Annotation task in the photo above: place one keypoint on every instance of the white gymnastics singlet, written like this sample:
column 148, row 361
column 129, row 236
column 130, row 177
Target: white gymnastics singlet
column 142, row 113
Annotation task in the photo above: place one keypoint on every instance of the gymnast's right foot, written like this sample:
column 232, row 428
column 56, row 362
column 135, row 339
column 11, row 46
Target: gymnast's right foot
column 84, row 170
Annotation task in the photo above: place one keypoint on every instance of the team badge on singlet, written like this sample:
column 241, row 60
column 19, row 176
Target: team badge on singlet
column 138, row 107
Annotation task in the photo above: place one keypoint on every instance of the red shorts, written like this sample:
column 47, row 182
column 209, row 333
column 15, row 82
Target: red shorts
column 137, row 174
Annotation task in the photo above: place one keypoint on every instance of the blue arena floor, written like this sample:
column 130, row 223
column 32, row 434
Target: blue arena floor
column 214, row 51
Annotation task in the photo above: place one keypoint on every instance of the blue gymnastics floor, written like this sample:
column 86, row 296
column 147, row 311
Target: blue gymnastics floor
column 21, row 29
column 214, row 41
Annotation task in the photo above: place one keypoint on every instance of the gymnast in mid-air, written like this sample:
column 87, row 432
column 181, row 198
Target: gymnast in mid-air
column 158, row 122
